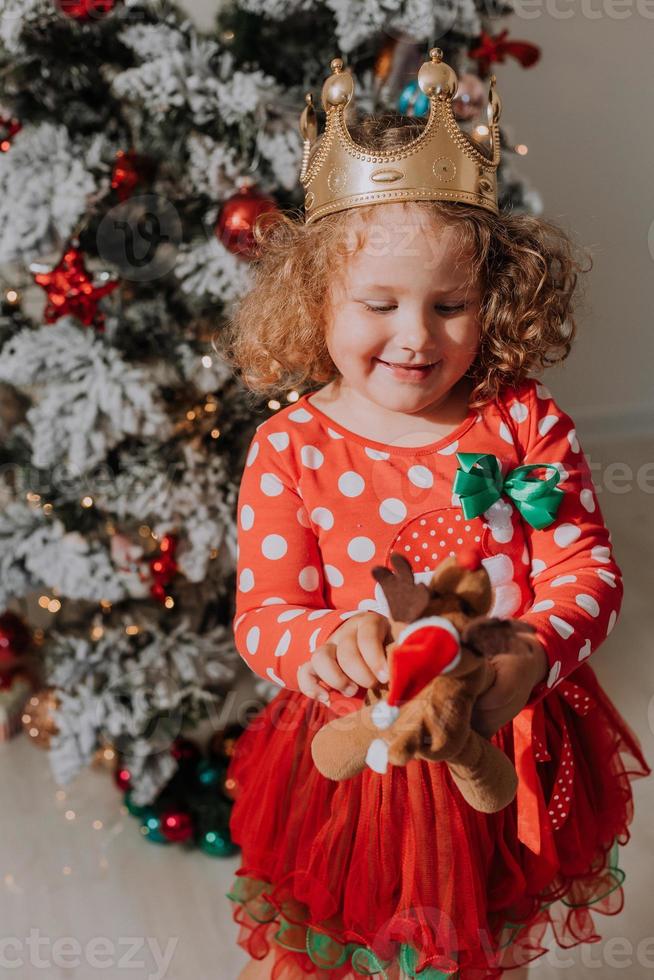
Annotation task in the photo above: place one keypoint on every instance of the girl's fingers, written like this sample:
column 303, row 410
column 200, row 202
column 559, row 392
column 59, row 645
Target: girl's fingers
column 372, row 633
column 352, row 661
column 307, row 681
column 327, row 668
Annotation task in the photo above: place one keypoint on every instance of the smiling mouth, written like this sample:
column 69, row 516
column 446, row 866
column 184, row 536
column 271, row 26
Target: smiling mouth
column 407, row 367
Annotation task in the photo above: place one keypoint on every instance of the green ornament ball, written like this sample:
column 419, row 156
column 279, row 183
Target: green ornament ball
column 217, row 843
column 209, row 773
column 151, row 827
column 132, row 807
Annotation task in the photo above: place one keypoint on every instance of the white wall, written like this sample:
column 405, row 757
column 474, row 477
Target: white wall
column 585, row 112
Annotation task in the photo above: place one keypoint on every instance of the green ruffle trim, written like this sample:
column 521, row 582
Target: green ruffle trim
column 330, row 954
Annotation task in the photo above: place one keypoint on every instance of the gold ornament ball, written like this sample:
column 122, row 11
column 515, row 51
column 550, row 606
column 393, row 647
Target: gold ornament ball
column 37, row 720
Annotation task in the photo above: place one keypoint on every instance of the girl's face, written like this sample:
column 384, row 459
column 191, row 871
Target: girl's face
column 403, row 300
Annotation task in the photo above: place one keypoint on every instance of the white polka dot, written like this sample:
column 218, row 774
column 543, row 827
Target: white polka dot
column 376, row 453
column 302, row 517
column 284, row 644
column 279, row 440
column 585, row 651
column 525, row 551
column 252, row 454
column 449, row 450
column 563, row 580
column 333, row 576
column 554, row 674
column 543, row 391
column 537, row 566
column 601, row 553
column 313, row 639
column 322, row 517
column 300, row 415
column 309, row 578
column 318, row 613
column 334, row 434
column 588, row 603
column 246, row 580
column 612, row 621
column 349, row 614
column 542, row 606
column 562, row 628
column 546, row 424
column 392, row 511
column 288, row 614
column 587, row 499
column 252, row 639
column 274, row 546
column 247, row 517
column 351, row 484
column 420, row 476
column 311, row 457
column 519, row 411
column 273, row 600
column 608, row 577
column 361, row 549
column 566, row 534
column 238, row 621
column 574, row 442
column 274, row 677
column 271, row 485
column 505, row 433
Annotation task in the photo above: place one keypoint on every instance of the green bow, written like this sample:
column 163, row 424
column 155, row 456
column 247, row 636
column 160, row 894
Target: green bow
column 479, row 483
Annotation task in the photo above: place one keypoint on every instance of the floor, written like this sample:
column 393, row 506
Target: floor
column 147, row 911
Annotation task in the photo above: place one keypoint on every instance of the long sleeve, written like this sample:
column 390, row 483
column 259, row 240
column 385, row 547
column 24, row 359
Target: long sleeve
column 576, row 581
column 281, row 615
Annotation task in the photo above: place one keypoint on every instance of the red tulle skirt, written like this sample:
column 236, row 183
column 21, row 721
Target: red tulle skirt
column 396, row 875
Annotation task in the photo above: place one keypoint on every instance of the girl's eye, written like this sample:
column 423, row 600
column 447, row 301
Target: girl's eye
column 444, row 309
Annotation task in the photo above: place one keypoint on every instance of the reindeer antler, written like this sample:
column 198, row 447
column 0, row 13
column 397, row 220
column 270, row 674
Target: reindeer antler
column 407, row 599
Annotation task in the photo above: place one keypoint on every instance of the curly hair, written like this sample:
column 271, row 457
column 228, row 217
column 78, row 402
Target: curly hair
column 527, row 267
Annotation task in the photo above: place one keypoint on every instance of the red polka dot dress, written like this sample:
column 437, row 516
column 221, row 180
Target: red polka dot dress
column 393, row 874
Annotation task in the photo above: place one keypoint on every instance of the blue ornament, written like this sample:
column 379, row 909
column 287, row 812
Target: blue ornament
column 413, row 101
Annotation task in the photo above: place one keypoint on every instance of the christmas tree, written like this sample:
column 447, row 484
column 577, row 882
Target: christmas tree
column 136, row 154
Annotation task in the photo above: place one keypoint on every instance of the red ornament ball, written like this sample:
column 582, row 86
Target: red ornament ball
column 176, row 825
column 15, row 637
column 85, row 10
column 123, row 778
column 239, row 213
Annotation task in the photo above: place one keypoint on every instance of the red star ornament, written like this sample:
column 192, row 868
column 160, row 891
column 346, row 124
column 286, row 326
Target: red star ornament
column 71, row 291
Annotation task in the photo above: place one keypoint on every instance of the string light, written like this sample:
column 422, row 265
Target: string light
column 274, row 404
column 86, row 501
column 132, row 629
column 169, row 602
column 293, row 396
column 54, row 606
column 215, row 433
column 522, row 149
column 481, row 130
column 70, row 814
column 12, row 297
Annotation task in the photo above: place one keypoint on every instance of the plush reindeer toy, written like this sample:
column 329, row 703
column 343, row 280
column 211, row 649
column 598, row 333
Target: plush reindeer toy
column 438, row 660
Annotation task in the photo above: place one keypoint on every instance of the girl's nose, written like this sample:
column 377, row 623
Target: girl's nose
column 414, row 330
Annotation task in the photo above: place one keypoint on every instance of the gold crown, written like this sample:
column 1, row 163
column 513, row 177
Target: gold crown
column 441, row 164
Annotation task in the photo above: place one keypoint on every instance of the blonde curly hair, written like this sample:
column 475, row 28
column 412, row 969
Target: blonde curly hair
column 527, row 267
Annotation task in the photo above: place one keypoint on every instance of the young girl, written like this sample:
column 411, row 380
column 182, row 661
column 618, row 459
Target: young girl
column 421, row 319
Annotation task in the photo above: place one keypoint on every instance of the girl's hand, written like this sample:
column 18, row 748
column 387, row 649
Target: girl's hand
column 517, row 671
column 355, row 653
